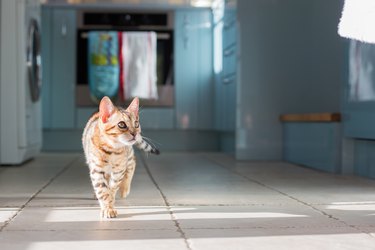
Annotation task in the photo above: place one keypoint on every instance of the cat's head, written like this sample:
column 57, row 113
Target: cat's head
column 121, row 126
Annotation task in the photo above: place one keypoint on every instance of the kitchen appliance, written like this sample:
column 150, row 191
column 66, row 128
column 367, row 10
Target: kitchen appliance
column 20, row 81
column 119, row 20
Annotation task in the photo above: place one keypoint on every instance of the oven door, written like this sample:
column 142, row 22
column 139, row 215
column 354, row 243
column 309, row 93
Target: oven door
column 165, row 67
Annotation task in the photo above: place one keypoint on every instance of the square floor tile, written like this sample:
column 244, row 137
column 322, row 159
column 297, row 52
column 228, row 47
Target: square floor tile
column 92, row 240
column 256, row 216
column 281, row 239
column 192, row 179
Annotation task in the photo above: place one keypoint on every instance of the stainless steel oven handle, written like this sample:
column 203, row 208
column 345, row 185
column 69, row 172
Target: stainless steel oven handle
column 163, row 36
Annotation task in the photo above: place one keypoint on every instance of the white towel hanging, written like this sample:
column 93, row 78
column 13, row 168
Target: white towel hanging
column 139, row 65
column 358, row 20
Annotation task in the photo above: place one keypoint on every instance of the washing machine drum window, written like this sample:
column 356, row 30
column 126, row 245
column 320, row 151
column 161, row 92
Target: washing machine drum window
column 34, row 61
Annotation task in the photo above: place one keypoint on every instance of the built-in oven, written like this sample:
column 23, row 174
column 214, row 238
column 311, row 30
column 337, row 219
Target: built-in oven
column 159, row 22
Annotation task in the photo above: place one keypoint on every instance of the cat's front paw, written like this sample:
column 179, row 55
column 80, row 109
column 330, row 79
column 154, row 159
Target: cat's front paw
column 108, row 213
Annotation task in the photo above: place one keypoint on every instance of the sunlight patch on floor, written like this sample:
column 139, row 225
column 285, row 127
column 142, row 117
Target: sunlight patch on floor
column 354, row 203
column 236, row 215
column 6, row 213
column 89, row 214
column 356, row 207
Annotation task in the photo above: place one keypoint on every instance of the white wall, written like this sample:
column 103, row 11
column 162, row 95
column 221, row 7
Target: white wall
column 291, row 61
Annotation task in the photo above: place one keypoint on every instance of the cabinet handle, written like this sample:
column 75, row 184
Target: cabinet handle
column 186, row 42
column 228, row 80
column 64, row 30
column 228, row 52
column 186, row 36
column 228, row 24
column 186, row 21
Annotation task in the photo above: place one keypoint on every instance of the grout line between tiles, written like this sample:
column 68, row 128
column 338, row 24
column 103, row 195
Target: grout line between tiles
column 287, row 195
column 167, row 204
column 170, row 204
column 186, row 228
column 7, row 222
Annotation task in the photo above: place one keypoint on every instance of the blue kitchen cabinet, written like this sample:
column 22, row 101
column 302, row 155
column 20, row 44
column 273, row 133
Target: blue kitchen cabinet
column 194, row 69
column 226, row 75
column 59, row 42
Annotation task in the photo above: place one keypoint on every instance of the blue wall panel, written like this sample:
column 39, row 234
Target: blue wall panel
column 291, row 61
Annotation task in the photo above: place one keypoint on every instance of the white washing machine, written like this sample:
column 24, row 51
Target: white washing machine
column 20, row 80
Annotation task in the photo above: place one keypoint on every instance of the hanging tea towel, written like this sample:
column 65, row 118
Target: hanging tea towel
column 139, row 65
column 103, row 64
column 358, row 20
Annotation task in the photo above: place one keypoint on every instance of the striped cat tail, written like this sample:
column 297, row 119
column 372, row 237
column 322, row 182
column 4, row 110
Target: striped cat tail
column 147, row 147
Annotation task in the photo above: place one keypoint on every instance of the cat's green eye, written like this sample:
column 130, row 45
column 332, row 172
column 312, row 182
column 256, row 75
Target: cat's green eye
column 136, row 124
column 122, row 125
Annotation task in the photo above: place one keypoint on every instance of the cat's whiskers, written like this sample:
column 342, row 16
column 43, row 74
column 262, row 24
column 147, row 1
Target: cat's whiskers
column 150, row 141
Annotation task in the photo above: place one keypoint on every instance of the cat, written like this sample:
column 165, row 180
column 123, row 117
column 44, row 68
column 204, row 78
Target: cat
column 108, row 140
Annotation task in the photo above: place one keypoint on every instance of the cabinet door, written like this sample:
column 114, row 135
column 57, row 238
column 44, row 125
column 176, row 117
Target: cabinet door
column 62, row 79
column 225, row 103
column 229, row 28
column 194, row 69
column 225, row 80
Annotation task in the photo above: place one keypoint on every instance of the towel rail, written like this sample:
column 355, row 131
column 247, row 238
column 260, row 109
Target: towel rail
column 162, row 36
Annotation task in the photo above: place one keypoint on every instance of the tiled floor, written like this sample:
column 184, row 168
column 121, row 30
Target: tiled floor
column 186, row 201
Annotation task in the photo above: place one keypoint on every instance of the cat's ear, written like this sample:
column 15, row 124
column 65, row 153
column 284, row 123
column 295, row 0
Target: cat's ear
column 106, row 109
column 134, row 106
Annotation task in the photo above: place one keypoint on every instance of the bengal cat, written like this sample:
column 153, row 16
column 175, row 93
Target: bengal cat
column 108, row 140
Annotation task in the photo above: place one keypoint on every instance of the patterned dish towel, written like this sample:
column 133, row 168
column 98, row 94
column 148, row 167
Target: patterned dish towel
column 103, row 64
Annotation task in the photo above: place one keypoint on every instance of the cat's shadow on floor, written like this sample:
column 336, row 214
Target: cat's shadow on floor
column 130, row 215
column 123, row 216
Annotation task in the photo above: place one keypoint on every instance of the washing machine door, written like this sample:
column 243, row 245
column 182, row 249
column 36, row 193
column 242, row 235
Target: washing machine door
column 34, row 60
